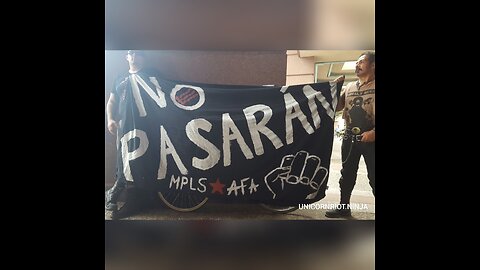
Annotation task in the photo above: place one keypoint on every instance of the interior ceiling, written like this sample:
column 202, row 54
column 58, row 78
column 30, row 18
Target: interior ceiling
column 331, row 55
column 330, row 63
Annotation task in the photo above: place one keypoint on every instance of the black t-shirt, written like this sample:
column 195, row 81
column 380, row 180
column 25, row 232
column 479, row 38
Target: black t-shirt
column 122, row 87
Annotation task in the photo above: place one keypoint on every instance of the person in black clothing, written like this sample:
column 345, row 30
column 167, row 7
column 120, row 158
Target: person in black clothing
column 358, row 104
column 116, row 113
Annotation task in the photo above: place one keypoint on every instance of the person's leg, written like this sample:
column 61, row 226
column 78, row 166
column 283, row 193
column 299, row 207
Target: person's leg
column 350, row 160
column 112, row 195
column 369, row 156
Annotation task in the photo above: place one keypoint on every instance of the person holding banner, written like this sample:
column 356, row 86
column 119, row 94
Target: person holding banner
column 358, row 104
column 116, row 112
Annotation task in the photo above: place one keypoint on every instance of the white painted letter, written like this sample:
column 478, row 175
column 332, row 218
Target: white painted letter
column 257, row 128
column 292, row 111
column 311, row 95
column 213, row 152
column 140, row 149
column 164, row 151
column 228, row 125
column 159, row 97
column 202, row 184
column 175, row 181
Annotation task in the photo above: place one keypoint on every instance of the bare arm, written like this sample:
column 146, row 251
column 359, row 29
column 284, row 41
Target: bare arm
column 111, row 109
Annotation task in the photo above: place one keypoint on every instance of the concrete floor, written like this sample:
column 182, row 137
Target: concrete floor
column 362, row 197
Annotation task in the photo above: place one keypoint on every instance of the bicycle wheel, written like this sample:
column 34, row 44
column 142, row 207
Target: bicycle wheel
column 279, row 209
column 182, row 201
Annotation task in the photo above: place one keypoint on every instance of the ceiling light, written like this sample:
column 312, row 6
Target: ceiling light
column 349, row 65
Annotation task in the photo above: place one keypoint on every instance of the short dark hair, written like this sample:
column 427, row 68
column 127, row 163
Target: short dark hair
column 370, row 55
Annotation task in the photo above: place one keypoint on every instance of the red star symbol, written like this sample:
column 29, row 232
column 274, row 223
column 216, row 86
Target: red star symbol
column 217, row 187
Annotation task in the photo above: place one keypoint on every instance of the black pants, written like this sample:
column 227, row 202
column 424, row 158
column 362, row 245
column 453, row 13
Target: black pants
column 120, row 180
column 351, row 153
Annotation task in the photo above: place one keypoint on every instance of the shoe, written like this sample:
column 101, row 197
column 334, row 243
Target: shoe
column 135, row 203
column 111, row 197
column 339, row 213
column 109, row 205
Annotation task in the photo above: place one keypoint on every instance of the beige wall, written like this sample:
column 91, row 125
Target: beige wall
column 215, row 67
column 300, row 70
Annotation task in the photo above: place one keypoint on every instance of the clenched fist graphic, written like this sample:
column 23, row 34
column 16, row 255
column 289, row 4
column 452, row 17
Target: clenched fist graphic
column 299, row 177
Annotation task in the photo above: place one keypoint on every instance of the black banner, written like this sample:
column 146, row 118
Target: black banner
column 227, row 143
